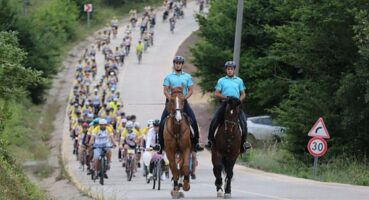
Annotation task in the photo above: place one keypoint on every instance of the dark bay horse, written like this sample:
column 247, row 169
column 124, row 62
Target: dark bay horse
column 227, row 147
column 177, row 141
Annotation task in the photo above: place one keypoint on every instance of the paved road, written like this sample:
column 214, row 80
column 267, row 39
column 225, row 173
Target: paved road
column 141, row 88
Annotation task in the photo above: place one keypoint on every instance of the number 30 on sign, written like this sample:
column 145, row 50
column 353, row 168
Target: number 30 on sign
column 317, row 146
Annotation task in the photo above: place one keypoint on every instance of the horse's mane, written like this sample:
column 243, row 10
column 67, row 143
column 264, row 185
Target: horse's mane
column 233, row 102
column 177, row 90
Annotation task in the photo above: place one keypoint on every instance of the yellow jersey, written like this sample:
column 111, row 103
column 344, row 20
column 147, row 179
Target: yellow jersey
column 124, row 133
column 109, row 129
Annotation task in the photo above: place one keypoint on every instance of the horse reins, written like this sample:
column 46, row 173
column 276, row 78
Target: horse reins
column 234, row 123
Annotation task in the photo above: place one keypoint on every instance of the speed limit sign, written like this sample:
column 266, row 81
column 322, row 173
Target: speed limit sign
column 317, row 146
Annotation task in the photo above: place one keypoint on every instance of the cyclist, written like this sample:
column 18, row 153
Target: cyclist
column 83, row 138
column 102, row 139
column 129, row 140
column 139, row 50
column 151, row 143
column 133, row 17
column 152, row 135
column 172, row 23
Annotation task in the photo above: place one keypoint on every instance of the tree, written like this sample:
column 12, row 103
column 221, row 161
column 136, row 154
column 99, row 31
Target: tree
column 301, row 60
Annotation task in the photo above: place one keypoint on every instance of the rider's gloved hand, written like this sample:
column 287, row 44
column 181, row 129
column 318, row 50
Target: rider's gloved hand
column 157, row 147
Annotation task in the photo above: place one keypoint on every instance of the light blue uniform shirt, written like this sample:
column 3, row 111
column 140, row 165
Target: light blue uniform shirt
column 173, row 80
column 230, row 86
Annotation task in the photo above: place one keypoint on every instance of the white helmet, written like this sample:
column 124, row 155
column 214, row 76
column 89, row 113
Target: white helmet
column 150, row 123
column 137, row 125
column 129, row 124
column 103, row 122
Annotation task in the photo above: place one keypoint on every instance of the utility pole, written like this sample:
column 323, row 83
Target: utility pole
column 25, row 5
column 238, row 35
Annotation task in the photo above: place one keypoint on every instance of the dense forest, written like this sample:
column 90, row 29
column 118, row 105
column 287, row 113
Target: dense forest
column 300, row 60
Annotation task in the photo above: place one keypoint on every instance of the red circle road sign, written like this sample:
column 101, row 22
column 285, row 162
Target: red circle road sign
column 317, row 146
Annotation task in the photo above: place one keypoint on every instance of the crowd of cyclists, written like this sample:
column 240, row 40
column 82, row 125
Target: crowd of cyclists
column 97, row 122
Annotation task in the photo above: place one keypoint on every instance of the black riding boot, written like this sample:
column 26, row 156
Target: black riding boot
column 244, row 145
column 217, row 119
column 212, row 128
column 160, row 147
column 195, row 144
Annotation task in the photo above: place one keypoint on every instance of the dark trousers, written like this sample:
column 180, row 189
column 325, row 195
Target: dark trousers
column 188, row 110
column 218, row 119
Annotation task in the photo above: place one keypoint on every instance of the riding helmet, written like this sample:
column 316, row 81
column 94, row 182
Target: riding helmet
column 230, row 64
column 179, row 59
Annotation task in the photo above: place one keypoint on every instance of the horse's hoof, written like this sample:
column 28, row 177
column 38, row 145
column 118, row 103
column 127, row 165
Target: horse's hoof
column 181, row 195
column 186, row 186
column 219, row 194
column 175, row 194
column 227, row 195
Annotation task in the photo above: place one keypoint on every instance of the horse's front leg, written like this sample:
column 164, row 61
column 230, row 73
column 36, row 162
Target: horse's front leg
column 217, row 170
column 173, row 169
column 228, row 179
column 186, row 170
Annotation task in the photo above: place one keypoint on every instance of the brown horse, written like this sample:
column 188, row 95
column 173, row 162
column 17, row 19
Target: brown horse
column 177, row 141
column 227, row 147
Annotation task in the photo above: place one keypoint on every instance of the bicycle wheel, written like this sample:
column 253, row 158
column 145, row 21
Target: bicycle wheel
column 83, row 160
column 102, row 170
column 131, row 166
column 154, row 178
column 158, row 173
column 147, row 174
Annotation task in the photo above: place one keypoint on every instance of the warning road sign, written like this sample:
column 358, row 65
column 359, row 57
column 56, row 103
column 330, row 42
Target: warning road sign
column 317, row 146
column 319, row 129
column 87, row 7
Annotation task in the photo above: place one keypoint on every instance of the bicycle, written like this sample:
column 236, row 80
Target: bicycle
column 139, row 57
column 130, row 164
column 146, row 44
column 172, row 26
column 103, row 166
column 157, row 173
column 83, row 158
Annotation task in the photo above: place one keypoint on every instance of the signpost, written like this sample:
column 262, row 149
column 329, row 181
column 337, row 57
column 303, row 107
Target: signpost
column 319, row 129
column 317, row 146
column 87, row 8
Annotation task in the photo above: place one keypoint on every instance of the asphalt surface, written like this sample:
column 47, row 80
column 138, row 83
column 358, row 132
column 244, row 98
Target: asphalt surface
column 141, row 89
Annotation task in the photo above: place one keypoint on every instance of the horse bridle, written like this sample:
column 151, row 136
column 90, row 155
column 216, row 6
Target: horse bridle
column 233, row 123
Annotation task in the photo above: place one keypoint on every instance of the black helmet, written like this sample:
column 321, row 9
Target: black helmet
column 230, row 64
column 156, row 122
column 179, row 59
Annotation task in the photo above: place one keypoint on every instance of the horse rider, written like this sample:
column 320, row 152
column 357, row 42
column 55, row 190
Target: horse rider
column 176, row 79
column 228, row 86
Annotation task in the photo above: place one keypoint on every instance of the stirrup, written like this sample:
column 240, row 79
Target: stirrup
column 209, row 145
column 198, row 147
column 244, row 147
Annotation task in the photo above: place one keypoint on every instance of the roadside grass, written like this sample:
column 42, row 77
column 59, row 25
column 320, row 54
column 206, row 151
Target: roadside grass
column 14, row 183
column 43, row 170
column 342, row 169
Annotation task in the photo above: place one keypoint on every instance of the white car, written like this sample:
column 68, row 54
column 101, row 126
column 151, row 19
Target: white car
column 261, row 128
